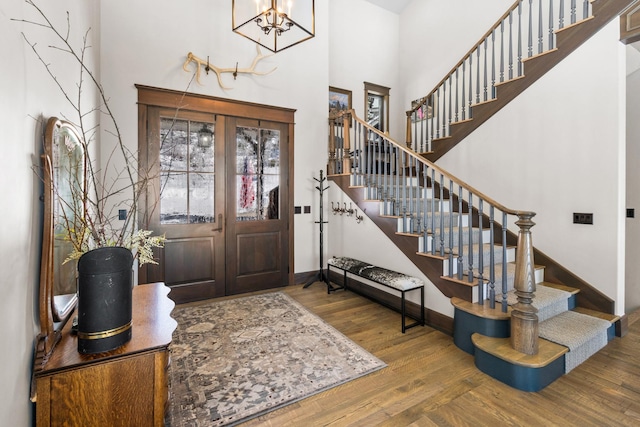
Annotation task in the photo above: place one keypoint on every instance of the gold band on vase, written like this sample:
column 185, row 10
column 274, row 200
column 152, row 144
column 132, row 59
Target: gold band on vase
column 104, row 334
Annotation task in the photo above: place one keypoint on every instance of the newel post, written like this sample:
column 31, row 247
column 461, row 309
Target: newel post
column 331, row 169
column 408, row 134
column 346, row 156
column 524, row 320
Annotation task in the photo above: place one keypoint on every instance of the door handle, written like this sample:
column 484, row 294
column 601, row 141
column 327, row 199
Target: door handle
column 219, row 228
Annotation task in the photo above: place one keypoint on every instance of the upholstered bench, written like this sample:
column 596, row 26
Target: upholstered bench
column 391, row 279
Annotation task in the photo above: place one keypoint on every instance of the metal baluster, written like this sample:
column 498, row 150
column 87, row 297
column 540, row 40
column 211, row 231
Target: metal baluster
column 573, row 11
column 530, row 38
column 460, row 235
column 425, row 215
column 520, row 38
column 394, row 181
column 464, row 107
column 510, row 45
column 432, row 102
column 369, row 165
column 411, row 185
column 451, row 244
column 470, row 85
column 419, row 122
column 450, row 104
column 561, row 17
column 404, row 191
column 493, row 64
column 504, row 264
column 480, row 256
column 478, row 75
column 502, row 51
column 470, row 245
column 486, row 77
column 378, row 169
column 386, row 177
column 414, row 135
column 439, row 115
column 432, row 221
column 418, row 213
column 457, row 93
column 444, row 109
column 551, row 42
column 585, row 9
column 492, row 262
column 441, row 216
column 356, row 155
column 540, row 26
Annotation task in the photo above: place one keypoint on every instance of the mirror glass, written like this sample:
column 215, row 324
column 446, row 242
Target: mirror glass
column 63, row 145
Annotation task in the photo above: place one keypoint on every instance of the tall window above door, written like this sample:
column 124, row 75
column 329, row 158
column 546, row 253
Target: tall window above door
column 376, row 102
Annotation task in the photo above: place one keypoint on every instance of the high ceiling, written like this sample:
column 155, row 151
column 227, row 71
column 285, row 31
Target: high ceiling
column 395, row 6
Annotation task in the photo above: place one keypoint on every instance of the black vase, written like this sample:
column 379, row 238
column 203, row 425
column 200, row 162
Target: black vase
column 105, row 285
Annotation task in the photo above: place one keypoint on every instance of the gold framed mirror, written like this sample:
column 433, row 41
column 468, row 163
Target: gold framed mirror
column 63, row 172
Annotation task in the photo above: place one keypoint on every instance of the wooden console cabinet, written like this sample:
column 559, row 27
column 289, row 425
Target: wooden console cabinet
column 124, row 387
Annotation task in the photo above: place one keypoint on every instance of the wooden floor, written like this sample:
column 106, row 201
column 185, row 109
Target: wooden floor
column 430, row 382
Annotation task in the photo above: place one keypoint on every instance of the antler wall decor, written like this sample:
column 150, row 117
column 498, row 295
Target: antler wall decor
column 219, row 71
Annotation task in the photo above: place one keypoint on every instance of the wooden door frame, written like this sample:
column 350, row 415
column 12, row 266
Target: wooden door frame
column 149, row 96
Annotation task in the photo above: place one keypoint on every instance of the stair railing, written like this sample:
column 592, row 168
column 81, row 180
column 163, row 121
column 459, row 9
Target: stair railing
column 448, row 215
column 495, row 59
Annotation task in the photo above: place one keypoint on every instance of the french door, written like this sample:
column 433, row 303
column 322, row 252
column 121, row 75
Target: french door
column 220, row 194
column 257, row 244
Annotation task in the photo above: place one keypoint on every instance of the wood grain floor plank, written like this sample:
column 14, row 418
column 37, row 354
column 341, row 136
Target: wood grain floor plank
column 430, row 382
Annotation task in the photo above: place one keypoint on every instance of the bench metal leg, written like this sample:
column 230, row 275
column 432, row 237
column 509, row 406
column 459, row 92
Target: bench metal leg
column 421, row 321
column 330, row 287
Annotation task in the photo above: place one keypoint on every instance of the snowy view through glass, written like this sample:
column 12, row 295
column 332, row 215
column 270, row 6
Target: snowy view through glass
column 257, row 174
column 186, row 173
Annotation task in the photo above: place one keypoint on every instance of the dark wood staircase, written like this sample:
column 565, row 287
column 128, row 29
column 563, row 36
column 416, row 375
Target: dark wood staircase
column 568, row 40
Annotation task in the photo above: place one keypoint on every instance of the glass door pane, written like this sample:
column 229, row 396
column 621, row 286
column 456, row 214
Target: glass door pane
column 257, row 173
column 187, row 173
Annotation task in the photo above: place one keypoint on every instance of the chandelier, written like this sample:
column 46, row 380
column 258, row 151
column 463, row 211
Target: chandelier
column 274, row 24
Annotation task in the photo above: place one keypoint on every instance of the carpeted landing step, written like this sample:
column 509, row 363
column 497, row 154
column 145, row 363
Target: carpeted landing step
column 549, row 301
column 584, row 335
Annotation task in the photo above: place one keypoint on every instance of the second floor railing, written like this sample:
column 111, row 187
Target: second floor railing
column 527, row 29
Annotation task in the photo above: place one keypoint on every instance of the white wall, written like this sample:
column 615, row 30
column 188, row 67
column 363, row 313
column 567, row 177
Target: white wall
column 28, row 94
column 560, row 146
column 364, row 45
column 149, row 43
column 632, row 292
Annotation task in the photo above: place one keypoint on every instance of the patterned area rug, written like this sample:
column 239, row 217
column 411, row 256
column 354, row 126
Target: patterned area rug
column 237, row 359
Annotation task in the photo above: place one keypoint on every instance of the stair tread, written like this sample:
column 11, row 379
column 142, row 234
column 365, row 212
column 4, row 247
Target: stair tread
column 600, row 315
column 400, row 233
column 573, row 329
column 501, row 348
column 565, row 288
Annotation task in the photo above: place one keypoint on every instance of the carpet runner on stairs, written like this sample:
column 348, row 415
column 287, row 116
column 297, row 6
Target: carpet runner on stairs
column 549, row 301
column 582, row 334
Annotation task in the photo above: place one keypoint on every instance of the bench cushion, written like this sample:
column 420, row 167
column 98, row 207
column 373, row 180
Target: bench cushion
column 390, row 278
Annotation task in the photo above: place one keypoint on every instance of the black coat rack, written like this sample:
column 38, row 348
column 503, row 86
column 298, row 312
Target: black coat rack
column 320, row 275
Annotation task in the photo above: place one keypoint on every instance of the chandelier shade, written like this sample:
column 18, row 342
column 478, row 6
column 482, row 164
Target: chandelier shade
column 274, row 24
